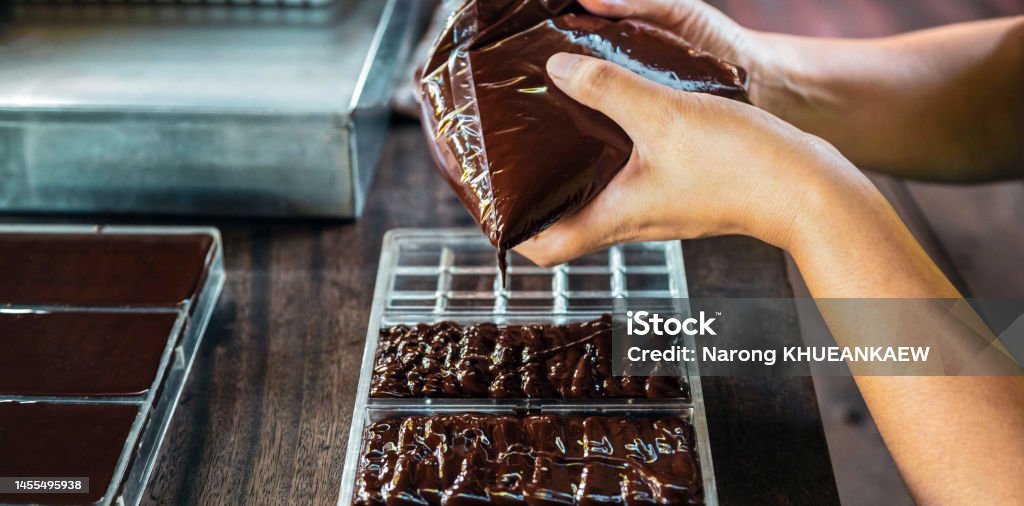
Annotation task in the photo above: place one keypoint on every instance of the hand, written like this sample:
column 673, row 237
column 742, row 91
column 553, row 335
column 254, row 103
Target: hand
column 895, row 104
column 699, row 24
column 701, row 166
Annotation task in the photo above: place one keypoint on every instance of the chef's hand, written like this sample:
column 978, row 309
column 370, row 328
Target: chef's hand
column 895, row 104
column 705, row 166
column 699, row 24
column 701, row 166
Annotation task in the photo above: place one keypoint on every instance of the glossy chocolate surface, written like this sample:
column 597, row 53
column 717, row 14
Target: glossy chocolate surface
column 485, row 360
column 101, row 269
column 94, row 353
column 535, row 460
column 63, row 440
column 519, row 153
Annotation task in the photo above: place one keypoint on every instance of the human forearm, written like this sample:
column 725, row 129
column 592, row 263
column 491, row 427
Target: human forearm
column 956, row 440
column 940, row 104
column 850, row 243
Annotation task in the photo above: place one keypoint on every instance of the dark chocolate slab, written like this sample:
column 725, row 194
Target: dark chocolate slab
column 101, row 269
column 446, row 360
column 63, row 440
column 541, row 459
column 78, row 353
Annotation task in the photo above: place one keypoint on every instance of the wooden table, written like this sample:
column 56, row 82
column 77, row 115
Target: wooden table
column 266, row 414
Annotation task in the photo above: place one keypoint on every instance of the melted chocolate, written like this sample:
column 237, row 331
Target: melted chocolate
column 101, row 269
column 518, row 152
column 63, row 440
column 81, row 353
column 445, row 360
column 542, row 459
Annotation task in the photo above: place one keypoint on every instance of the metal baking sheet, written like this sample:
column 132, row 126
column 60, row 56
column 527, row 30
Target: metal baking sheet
column 197, row 109
column 429, row 275
column 157, row 404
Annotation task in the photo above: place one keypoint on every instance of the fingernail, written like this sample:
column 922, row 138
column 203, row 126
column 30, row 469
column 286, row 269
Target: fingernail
column 560, row 65
column 616, row 6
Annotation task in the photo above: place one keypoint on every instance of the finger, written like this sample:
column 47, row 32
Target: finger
column 559, row 243
column 628, row 99
column 667, row 13
column 693, row 20
column 601, row 223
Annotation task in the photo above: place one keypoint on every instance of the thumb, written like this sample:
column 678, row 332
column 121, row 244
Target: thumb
column 693, row 20
column 620, row 94
column 571, row 237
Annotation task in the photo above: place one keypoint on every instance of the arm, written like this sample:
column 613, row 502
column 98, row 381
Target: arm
column 744, row 171
column 943, row 104
column 858, row 248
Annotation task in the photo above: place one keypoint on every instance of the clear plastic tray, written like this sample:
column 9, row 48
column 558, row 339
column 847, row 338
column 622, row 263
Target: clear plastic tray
column 157, row 404
column 429, row 275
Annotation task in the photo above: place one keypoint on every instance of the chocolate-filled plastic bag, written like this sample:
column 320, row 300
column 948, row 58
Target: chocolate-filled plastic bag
column 519, row 152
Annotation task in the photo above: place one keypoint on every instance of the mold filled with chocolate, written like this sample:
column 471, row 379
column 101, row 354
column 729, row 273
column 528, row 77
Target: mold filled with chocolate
column 518, row 152
column 101, row 269
column 81, row 353
column 99, row 327
column 543, row 361
column 63, row 440
column 540, row 459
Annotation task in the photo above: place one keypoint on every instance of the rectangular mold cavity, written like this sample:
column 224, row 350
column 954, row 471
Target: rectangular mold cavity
column 642, row 255
column 589, row 283
column 34, row 358
column 528, row 303
column 532, row 283
column 599, row 259
column 588, row 303
column 570, row 436
column 156, row 404
column 531, row 299
column 421, row 255
column 470, row 301
column 647, row 283
column 472, row 283
column 417, row 283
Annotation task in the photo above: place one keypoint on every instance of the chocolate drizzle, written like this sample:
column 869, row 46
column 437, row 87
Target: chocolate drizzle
column 518, row 152
column 530, row 460
column 446, row 360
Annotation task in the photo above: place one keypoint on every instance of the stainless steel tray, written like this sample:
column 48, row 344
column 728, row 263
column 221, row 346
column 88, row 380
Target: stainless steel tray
column 429, row 275
column 157, row 405
column 176, row 108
